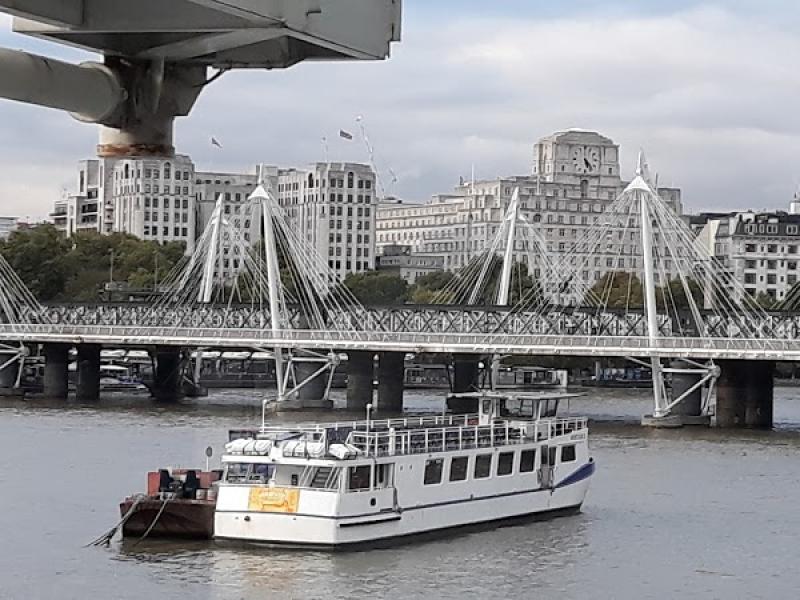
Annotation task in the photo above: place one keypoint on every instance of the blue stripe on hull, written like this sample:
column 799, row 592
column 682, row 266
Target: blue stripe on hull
column 582, row 473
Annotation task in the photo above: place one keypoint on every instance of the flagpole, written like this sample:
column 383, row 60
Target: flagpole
column 326, row 149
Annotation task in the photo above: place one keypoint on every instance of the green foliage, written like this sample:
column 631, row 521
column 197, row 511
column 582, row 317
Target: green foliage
column 376, row 288
column 625, row 290
column 766, row 301
column 77, row 268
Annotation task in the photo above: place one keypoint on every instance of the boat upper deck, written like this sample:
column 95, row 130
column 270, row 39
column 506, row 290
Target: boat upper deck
column 501, row 420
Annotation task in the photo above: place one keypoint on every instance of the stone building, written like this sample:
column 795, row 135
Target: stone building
column 759, row 250
column 332, row 206
column 574, row 177
column 400, row 261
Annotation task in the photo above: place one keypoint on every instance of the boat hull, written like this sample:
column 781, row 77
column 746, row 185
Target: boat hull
column 185, row 519
column 393, row 526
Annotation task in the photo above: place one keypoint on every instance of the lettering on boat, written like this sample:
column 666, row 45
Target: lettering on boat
column 273, row 500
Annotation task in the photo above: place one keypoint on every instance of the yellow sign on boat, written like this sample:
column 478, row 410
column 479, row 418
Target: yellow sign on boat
column 274, row 500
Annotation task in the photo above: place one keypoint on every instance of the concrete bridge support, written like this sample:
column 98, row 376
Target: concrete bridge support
column 56, row 374
column 466, row 369
column 8, row 377
column 745, row 392
column 312, row 395
column 88, row 385
column 167, row 374
column 391, row 376
column 360, row 376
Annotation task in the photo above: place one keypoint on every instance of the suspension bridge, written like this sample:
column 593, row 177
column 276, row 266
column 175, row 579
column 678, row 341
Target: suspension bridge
column 663, row 298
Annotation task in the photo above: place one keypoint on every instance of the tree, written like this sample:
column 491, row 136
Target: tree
column 616, row 289
column 77, row 268
column 38, row 256
column 376, row 288
column 429, row 288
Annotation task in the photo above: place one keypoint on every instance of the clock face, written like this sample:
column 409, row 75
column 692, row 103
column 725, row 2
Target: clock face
column 577, row 159
column 586, row 159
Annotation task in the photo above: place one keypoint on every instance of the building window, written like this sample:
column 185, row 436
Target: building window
column 458, row 468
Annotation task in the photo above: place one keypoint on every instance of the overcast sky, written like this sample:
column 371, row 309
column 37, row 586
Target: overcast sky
column 710, row 90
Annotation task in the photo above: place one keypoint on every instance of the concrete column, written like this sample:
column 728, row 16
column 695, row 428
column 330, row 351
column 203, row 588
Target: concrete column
column 311, row 395
column 465, row 379
column 745, row 394
column 56, row 375
column 8, row 376
column 167, row 374
column 691, row 406
column 391, row 375
column 88, row 386
column 465, row 372
column 360, row 375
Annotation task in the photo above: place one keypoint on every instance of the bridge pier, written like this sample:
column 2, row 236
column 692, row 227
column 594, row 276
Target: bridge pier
column 745, row 391
column 56, row 373
column 88, row 383
column 466, row 368
column 8, row 377
column 391, row 377
column 166, row 374
column 312, row 395
column 360, row 377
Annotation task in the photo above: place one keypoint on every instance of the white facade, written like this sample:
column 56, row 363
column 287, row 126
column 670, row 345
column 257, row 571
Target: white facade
column 576, row 175
column 400, row 261
column 333, row 206
column 760, row 251
column 90, row 207
column 235, row 190
column 154, row 199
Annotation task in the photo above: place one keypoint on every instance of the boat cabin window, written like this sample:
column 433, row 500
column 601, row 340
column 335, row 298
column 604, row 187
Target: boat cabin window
column 237, row 472
column 261, row 472
column 382, row 475
column 433, row 471
column 527, row 461
column 505, row 463
column 549, row 456
column 483, row 466
column 358, row 478
column 568, row 453
column 458, row 468
column 548, row 408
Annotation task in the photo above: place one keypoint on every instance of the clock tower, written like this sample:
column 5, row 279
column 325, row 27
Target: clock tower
column 575, row 156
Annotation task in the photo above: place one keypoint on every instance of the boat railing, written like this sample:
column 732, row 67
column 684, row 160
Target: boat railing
column 313, row 431
column 465, row 437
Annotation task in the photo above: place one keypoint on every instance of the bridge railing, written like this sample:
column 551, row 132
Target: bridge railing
column 400, row 341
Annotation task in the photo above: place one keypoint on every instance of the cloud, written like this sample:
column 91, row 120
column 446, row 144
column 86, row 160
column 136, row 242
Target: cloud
column 708, row 91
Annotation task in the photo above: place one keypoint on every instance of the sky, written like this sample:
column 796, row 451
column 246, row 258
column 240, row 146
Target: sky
column 709, row 89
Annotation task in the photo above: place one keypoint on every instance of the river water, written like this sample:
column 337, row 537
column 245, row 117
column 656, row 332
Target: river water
column 691, row 513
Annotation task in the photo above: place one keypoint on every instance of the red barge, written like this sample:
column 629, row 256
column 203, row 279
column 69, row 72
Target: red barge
column 178, row 504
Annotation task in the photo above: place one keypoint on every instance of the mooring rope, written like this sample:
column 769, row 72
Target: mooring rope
column 105, row 539
column 153, row 524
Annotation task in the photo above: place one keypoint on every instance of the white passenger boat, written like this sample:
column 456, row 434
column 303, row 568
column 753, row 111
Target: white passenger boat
column 342, row 484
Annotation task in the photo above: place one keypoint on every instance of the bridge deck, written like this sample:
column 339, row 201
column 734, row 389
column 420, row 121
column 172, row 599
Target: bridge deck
column 501, row 343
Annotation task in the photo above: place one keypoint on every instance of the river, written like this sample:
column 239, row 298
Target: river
column 691, row 513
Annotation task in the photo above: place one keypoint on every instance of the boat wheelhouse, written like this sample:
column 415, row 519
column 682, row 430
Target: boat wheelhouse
column 339, row 484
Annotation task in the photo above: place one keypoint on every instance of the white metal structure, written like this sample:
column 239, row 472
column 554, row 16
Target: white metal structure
column 343, row 484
